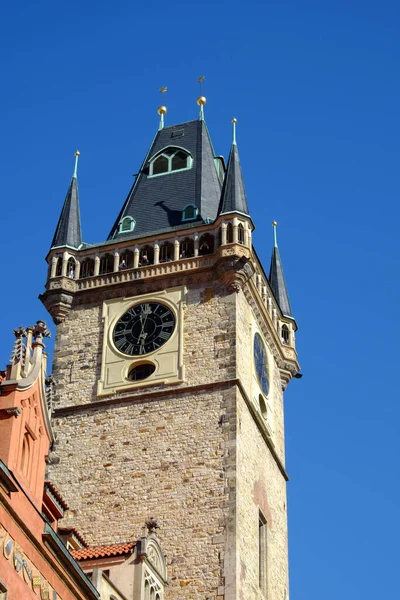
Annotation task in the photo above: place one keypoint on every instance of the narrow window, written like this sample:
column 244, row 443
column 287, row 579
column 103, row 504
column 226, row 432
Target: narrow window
column 25, row 455
column 229, row 233
column 262, row 553
column 71, row 268
column 285, row 334
column 240, row 234
column 59, row 267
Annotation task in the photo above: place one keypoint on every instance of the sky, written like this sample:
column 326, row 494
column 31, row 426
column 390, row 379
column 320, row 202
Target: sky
column 315, row 89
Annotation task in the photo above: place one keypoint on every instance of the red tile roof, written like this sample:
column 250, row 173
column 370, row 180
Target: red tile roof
column 50, row 486
column 102, row 551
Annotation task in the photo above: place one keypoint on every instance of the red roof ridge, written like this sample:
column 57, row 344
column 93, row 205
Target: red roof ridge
column 56, row 493
column 102, row 551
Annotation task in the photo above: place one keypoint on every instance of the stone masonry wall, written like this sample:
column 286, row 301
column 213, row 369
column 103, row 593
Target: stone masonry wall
column 209, row 345
column 261, row 486
column 119, row 465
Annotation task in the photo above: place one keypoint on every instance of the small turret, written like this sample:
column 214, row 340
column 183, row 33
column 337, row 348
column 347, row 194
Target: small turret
column 68, row 231
column 233, row 197
column 277, row 279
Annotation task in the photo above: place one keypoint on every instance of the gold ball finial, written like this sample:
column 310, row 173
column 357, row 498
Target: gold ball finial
column 162, row 110
column 274, row 223
column 201, row 100
column 77, row 153
column 234, row 120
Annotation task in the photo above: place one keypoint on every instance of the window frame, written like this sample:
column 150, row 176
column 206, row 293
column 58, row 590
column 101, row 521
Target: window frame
column 169, row 157
column 132, row 224
column 196, row 213
column 262, row 554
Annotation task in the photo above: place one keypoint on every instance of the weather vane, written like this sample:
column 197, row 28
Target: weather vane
column 201, row 100
column 162, row 110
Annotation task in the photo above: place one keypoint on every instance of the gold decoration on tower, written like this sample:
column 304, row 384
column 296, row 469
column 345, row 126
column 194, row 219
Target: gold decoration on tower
column 162, row 110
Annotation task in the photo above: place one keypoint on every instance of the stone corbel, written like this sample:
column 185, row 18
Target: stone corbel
column 235, row 273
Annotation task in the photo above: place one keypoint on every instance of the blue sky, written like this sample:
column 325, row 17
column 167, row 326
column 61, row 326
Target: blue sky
column 315, row 89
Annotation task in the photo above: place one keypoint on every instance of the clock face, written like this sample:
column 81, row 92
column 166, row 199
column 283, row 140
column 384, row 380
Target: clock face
column 143, row 328
column 261, row 365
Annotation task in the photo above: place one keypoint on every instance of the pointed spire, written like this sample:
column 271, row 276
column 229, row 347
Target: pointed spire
column 277, row 279
column 233, row 198
column 68, row 230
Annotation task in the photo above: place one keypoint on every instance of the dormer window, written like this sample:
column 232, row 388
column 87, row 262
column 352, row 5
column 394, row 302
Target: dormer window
column 170, row 160
column 126, row 225
column 190, row 212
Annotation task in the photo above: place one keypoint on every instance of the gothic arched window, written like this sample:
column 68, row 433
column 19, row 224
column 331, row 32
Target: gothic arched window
column 166, row 252
column 106, row 264
column 240, row 234
column 87, row 268
column 71, row 264
column 146, row 256
column 59, row 267
column 169, row 160
column 285, row 334
column 206, row 244
column 229, row 233
column 187, row 248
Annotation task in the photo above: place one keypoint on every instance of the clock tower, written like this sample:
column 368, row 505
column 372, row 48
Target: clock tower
column 173, row 349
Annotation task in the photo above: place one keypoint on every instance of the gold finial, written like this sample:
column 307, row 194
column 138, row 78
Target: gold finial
column 274, row 223
column 162, row 110
column 201, row 100
column 77, row 153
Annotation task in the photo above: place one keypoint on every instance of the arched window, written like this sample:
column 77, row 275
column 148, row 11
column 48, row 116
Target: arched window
column 169, row 160
column 166, row 252
column 187, row 248
column 190, row 212
column 240, row 234
column 87, row 268
column 206, row 244
column 71, row 264
column 146, row 256
column 285, row 334
column 126, row 260
column 106, row 264
column 126, row 225
column 229, row 233
column 59, row 267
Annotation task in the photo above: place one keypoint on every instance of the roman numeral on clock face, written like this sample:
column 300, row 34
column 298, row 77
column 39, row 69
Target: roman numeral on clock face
column 164, row 335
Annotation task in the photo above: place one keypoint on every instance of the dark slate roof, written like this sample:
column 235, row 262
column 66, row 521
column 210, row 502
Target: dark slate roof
column 68, row 231
column 233, row 193
column 278, row 285
column 156, row 203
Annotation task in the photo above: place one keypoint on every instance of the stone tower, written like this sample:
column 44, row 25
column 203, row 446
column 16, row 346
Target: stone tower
column 173, row 348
